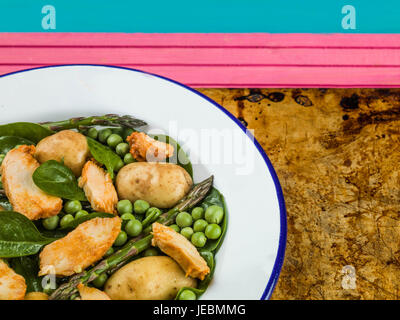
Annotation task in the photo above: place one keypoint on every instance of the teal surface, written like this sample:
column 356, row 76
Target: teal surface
column 236, row 16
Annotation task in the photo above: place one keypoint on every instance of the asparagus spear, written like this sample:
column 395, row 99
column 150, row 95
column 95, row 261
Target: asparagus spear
column 134, row 246
column 109, row 120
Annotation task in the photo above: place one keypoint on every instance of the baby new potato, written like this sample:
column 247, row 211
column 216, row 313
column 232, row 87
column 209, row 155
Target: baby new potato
column 148, row 278
column 160, row 184
column 68, row 145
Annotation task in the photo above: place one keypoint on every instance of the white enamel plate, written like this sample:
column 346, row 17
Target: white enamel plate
column 251, row 256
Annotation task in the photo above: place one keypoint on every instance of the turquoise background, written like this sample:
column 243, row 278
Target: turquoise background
column 278, row 16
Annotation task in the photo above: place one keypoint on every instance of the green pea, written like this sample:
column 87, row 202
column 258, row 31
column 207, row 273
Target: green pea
column 113, row 140
column 151, row 252
column 141, row 206
column 128, row 158
column 197, row 213
column 175, row 227
column 122, row 148
column 104, row 134
column 213, row 231
column 121, row 239
column 187, row 232
column 2, row 156
column 128, row 216
column 81, row 213
column 199, row 239
column 200, row 225
column 187, row 295
column 128, row 132
column 184, row 219
column 67, row 219
column 124, row 206
column 92, row 133
column 109, row 252
column 100, row 280
column 50, row 223
column 214, row 214
column 133, row 228
column 119, row 165
column 72, row 206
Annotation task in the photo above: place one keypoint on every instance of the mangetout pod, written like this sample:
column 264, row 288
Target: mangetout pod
column 160, row 184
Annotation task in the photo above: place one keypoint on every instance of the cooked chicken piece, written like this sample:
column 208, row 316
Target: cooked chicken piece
column 12, row 285
column 181, row 250
column 99, row 188
column 79, row 248
column 144, row 148
column 68, row 146
column 36, row 296
column 88, row 293
column 25, row 197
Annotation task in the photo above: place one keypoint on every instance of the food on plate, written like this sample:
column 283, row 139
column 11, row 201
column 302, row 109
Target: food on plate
column 67, row 146
column 148, row 278
column 25, row 197
column 12, row 285
column 99, row 188
column 160, row 184
column 117, row 213
column 79, row 248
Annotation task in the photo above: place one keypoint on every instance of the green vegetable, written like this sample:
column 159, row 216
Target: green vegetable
column 199, row 239
column 31, row 131
column 200, row 225
column 121, row 239
column 6, row 204
column 100, row 281
column 81, row 213
column 128, row 158
column 151, row 252
column 51, row 223
column 187, row 295
column 213, row 231
column 77, row 221
column 58, row 180
column 128, row 216
column 124, row 206
column 9, row 142
column 175, row 227
column 66, row 220
column 214, row 214
column 105, row 156
column 113, row 140
column 109, row 252
column 72, row 206
column 187, row 232
column 19, row 236
column 28, row 267
column 197, row 213
column 104, row 134
column 2, row 156
column 141, row 206
column 184, row 219
column 122, row 149
column 93, row 133
column 179, row 157
column 133, row 228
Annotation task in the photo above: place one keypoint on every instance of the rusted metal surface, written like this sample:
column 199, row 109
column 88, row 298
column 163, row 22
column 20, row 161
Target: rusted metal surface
column 337, row 155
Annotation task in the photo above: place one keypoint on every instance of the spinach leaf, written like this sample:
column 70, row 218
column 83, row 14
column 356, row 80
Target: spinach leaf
column 19, row 236
column 10, row 142
column 76, row 222
column 28, row 130
column 214, row 197
column 179, row 157
column 58, row 180
column 203, row 285
column 104, row 155
column 28, row 267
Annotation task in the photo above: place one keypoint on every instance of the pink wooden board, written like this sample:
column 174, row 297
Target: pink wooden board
column 220, row 60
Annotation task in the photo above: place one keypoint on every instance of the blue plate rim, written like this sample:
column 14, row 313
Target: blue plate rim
column 272, row 281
